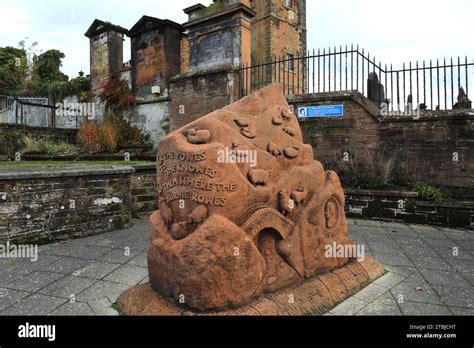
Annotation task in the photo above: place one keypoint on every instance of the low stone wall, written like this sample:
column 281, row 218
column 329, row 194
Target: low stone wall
column 144, row 194
column 42, row 207
column 11, row 137
column 405, row 207
column 437, row 147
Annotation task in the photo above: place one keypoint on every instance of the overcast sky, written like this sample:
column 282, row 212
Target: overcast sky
column 392, row 31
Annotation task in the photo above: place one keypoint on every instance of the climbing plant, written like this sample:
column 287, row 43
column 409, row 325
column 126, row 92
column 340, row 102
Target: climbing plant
column 47, row 66
column 13, row 70
column 117, row 98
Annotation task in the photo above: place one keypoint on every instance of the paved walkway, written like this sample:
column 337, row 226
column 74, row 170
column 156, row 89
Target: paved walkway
column 430, row 272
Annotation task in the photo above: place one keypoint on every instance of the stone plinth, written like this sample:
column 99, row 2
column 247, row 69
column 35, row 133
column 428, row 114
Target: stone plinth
column 315, row 296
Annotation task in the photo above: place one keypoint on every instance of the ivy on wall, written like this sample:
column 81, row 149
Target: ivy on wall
column 25, row 72
column 58, row 90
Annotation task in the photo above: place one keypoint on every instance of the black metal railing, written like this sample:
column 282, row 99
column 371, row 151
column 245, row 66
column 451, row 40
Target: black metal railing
column 429, row 85
column 27, row 111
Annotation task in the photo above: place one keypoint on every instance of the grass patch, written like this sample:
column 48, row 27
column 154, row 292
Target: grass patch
column 428, row 192
column 47, row 146
column 11, row 166
column 372, row 170
column 118, row 308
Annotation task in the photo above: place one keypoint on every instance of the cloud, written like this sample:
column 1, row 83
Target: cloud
column 393, row 31
column 14, row 21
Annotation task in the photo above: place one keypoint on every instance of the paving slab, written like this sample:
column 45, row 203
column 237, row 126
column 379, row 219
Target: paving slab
column 25, row 266
column 384, row 305
column 456, row 296
column 400, row 230
column 58, row 249
column 9, row 274
column 35, row 304
column 444, row 277
column 65, row 265
column 140, row 260
column 73, row 309
column 392, row 258
column 89, row 252
column 102, row 289
column 387, row 246
column 453, row 251
column 423, row 261
column 9, row 297
column 102, row 306
column 419, row 291
column 459, row 235
column 424, row 274
column 349, row 307
column 34, row 281
column 390, row 280
column 461, row 311
column 418, row 250
column 431, row 233
column 462, row 265
column 402, row 270
column 145, row 280
column 371, row 292
column 422, row 309
column 67, row 287
column 96, row 269
column 121, row 256
column 129, row 275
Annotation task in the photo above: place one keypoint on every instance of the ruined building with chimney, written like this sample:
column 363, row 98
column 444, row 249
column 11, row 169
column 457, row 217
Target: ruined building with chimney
column 180, row 72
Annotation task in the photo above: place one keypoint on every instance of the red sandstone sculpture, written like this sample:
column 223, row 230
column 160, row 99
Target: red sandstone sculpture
column 230, row 231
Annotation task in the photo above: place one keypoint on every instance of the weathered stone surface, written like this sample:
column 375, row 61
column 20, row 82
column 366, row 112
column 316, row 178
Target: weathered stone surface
column 155, row 52
column 106, row 51
column 42, row 207
column 315, row 296
column 424, row 145
column 211, row 275
column 47, row 206
column 380, row 204
column 244, row 208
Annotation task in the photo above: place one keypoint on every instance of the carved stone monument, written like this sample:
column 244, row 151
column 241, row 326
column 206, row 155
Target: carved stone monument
column 247, row 220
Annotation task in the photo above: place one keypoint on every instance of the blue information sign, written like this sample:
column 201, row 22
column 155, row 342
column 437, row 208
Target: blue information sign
column 321, row 111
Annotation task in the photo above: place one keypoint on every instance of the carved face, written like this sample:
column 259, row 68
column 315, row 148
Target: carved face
column 331, row 212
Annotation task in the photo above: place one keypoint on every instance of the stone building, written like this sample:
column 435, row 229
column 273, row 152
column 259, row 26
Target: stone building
column 106, row 51
column 278, row 29
column 279, row 33
column 219, row 34
column 155, row 52
column 181, row 72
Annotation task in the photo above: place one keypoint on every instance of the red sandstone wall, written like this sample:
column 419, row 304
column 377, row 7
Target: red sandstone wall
column 425, row 147
column 197, row 94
